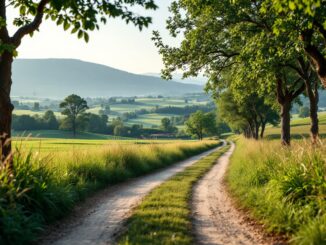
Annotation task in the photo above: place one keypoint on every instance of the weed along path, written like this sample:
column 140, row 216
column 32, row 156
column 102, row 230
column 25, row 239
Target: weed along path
column 215, row 220
column 101, row 217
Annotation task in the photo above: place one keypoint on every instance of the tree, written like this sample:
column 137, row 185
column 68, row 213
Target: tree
column 303, row 21
column 50, row 120
column 248, row 115
column 167, row 125
column 304, row 111
column 73, row 106
column 80, row 17
column 200, row 124
column 96, row 123
column 36, row 106
column 233, row 43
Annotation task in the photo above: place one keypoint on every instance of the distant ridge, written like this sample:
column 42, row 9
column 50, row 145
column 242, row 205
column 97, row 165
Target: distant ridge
column 57, row 78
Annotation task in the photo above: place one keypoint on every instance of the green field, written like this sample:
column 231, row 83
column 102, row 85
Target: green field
column 300, row 127
column 65, row 145
column 149, row 120
column 117, row 109
column 60, row 134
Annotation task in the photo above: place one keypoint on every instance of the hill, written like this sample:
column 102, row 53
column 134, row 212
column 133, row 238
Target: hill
column 57, row 78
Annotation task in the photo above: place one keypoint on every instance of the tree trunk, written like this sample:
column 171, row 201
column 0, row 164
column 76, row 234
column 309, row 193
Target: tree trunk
column 263, row 126
column 285, row 122
column 316, row 56
column 313, row 96
column 6, row 107
column 257, row 126
column 74, row 126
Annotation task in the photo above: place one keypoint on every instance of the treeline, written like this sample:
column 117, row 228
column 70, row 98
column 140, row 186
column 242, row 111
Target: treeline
column 88, row 122
column 183, row 112
column 260, row 57
column 26, row 122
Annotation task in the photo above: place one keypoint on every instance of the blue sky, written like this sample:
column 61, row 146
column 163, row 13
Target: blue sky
column 115, row 44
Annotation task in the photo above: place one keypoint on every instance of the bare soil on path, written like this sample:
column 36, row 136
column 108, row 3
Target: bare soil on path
column 100, row 218
column 215, row 218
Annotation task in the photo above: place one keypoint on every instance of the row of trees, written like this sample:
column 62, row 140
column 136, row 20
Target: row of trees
column 270, row 51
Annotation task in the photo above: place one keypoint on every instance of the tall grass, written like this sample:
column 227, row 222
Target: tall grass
column 285, row 188
column 43, row 187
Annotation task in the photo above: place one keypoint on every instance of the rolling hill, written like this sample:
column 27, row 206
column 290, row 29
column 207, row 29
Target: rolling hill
column 57, row 78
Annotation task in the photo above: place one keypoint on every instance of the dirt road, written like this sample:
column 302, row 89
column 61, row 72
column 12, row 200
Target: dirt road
column 98, row 220
column 216, row 221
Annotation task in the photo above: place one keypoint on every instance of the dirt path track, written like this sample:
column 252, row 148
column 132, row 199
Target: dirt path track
column 98, row 220
column 215, row 219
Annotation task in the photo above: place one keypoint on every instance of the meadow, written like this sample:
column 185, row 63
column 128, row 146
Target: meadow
column 300, row 127
column 48, row 182
column 284, row 188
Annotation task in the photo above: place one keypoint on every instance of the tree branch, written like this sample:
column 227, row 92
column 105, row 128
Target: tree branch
column 31, row 27
column 299, row 91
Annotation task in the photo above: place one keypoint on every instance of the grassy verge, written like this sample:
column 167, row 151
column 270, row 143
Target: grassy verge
column 285, row 188
column 164, row 215
column 43, row 187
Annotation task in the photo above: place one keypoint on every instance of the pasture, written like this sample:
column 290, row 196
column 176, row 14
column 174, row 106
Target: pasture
column 300, row 127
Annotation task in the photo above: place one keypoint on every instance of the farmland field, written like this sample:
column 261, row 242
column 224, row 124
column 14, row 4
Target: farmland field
column 117, row 109
column 64, row 145
column 149, row 120
column 299, row 127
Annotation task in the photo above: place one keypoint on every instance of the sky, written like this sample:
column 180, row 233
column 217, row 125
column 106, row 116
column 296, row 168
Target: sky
column 116, row 44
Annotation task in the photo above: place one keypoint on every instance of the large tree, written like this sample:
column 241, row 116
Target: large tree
column 200, row 123
column 73, row 107
column 304, row 22
column 223, row 37
column 78, row 16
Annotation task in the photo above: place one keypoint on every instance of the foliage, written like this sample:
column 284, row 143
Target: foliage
column 163, row 217
column 247, row 115
column 167, row 126
column 73, row 107
column 26, row 122
column 45, row 188
column 79, row 18
column 304, row 111
column 200, row 124
column 284, row 188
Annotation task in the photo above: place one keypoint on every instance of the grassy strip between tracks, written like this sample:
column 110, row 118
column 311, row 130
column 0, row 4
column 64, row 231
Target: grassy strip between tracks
column 163, row 217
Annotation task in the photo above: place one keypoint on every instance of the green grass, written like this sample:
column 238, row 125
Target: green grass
column 283, row 188
column 300, row 128
column 61, row 134
column 163, row 217
column 149, row 120
column 33, row 113
column 48, row 145
column 43, row 187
